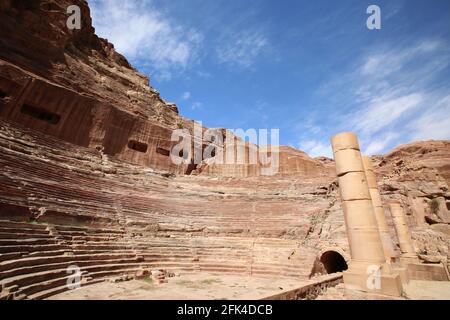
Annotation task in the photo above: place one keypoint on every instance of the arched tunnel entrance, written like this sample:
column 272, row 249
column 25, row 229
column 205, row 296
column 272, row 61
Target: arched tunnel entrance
column 333, row 262
column 328, row 262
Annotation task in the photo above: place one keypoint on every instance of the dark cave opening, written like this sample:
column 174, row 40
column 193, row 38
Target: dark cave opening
column 163, row 151
column 333, row 262
column 137, row 146
column 41, row 114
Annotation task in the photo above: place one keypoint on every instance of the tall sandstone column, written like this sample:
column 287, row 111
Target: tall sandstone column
column 368, row 270
column 409, row 254
column 409, row 258
column 380, row 217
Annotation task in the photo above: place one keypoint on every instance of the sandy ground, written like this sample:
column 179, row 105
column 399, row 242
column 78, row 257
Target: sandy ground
column 228, row 287
column 195, row 287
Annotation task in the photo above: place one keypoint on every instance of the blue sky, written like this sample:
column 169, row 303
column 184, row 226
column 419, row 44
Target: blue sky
column 309, row 68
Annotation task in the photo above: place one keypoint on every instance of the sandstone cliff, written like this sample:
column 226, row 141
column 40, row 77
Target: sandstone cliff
column 52, row 78
column 85, row 175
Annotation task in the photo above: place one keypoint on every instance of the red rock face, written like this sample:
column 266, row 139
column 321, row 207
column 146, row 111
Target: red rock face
column 418, row 175
column 53, row 78
column 85, row 172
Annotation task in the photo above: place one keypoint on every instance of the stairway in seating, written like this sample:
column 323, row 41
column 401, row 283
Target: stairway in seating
column 34, row 258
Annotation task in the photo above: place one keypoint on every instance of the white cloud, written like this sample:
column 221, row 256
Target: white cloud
column 242, row 49
column 397, row 85
column 382, row 112
column 388, row 61
column 144, row 34
column 396, row 95
column 203, row 74
column 311, row 126
column 381, row 65
column 433, row 123
column 186, row 95
column 378, row 145
column 197, row 105
column 316, row 148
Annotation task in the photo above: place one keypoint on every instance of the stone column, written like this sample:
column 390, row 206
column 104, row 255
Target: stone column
column 366, row 250
column 409, row 258
column 409, row 254
column 380, row 217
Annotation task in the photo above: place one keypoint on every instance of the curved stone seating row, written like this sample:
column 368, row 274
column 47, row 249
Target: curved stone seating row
column 74, row 176
column 40, row 269
column 88, row 216
column 26, row 268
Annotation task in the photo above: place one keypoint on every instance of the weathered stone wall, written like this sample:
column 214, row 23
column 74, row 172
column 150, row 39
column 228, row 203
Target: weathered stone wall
column 80, row 90
column 69, row 108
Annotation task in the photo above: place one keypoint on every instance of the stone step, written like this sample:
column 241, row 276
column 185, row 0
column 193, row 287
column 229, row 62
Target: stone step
column 29, row 241
column 97, row 251
column 119, row 242
column 10, row 256
column 132, row 271
column 207, row 266
column 88, row 238
column 112, row 272
column 107, row 267
column 172, row 265
column 24, row 231
column 160, row 257
column 30, row 279
column 22, row 225
column 225, row 258
column 5, row 274
column 39, row 260
column 45, row 285
column 104, row 247
column 56, row 290
column 12, row 235
column 31, row 248
column 71, row 234
column 73, row 230
column 50, row 253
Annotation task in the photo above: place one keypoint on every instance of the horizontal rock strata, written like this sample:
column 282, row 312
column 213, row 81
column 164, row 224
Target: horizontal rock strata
column 86, row 179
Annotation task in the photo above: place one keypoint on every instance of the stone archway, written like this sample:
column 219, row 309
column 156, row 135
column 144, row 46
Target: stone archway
column 330, row 260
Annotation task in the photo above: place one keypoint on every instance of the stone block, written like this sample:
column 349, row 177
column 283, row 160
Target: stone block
column 366, row 245
column 403, row 273
column 348, row 160
column 429, row 272
column 345, row 140
column 371, row 180
column 390, row 284
column 353, row 186
column 359, row 214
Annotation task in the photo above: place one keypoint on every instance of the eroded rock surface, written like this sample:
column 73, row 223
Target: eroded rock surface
column 86, row 179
